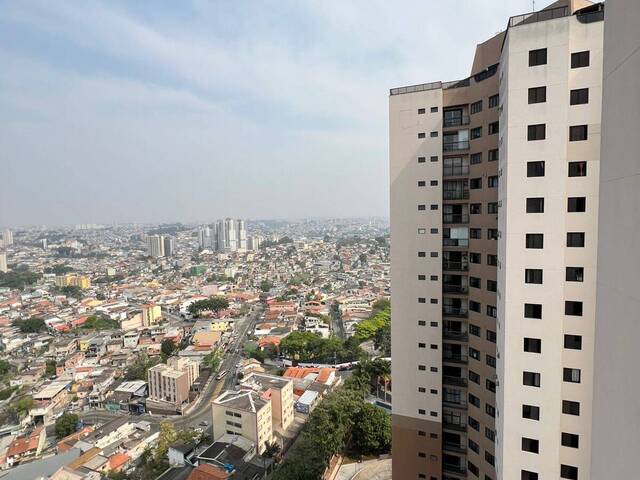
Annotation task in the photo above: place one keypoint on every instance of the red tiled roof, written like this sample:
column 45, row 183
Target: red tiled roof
column 208, row 472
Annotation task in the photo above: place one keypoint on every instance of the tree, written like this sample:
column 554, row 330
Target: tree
column 18, row 278
column 73, row 291
column 50, row 369
column 167, row 347
column 141, row 365
column 5, row 367
column 31, row 325
column 271, row 449
column 382, row 339
column 96, row 322
column 66, row 424
column 372, row 430
column 214, row 304
column 266, row 285
column 212, row 360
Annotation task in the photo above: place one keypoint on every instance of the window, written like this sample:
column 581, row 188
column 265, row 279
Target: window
column 422, row 231
column 474, row 446
column 537, row 94
column 537, row 57
column 434, row 109
column 422, row 368
column 493, row 155
column 575, row 274
column 570, row 440
column 567, row 471
column 492, row 207
column 571, row 375
column 492, row 260
column 573, row 342
column 493, row 128
column 577, row 133
column 475, row 158
column 535, row 205
column 475, row 258
column 531, row 412
column 527, row 475
column 531, row 379
column 532, row 345
column 493, row 100
column 570, row 407
column 475, row 132
column 474, row 282
column 577, row 169
column 534, row 240
column 536, row 132
column 532, row 310
column 475, row 107
column 490, row 434
column 573, row 308
column 433, row 158
column 491, row 336
column 579, row 96
column 575, row 239
column 492, row 181
column 580, row 59
column 422, row 277
column 422, row 183
column 535, row 169
column 490, row 459
column 433, row 134
column 475, row 208
column 530, row 445
column 422, row 207
column 473, row 423
column 473, row 400
column 473, row 353
column 422, row 111
column 491, row 361
column 421, row 135
column 492, row 286
column 422, row 254
column 475, row 183
column 475, row 233
column 421, row 159
column 434, row 206
column 473, row 469
column 492, row 311
column 533, row 275
column 489, row 385
column 474, row 306
column 474, row 330
column 474, row 377
column 576, row 204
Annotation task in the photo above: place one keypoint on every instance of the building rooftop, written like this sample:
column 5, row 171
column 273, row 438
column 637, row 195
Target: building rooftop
column 247, row 401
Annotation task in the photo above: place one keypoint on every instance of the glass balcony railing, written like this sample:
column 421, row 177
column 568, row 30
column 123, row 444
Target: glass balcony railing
column 455, row 121
column 452, row 311
column 455, row 218
column 455, row 146
column 460, row 266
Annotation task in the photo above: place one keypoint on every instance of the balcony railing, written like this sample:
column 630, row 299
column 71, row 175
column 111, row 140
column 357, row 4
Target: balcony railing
column 455, row 171
column 450, row 311
column 454, row 402
column 455, row 121
column 540, row 16
column 455, row 146
column 455, row 357
column 458, row 381
column 454, row 447
column 454, row 335
column 455, row 194
column 450, row 467
column 455, row 266
column 451, row 288
column 455, row 218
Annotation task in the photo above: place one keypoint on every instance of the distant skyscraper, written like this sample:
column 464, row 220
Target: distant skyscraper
column 7, row 237
column 241, row 235
column 206, row 237
column 3, row 262
column 169, row 246
column 44, row 243
column 253, row 242
column 230, row 235
column 155, row 246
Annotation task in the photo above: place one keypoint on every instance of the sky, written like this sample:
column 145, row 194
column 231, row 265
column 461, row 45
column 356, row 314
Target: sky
column 121, row 111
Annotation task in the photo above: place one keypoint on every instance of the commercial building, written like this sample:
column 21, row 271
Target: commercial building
column 69, row 280
column 494, row 209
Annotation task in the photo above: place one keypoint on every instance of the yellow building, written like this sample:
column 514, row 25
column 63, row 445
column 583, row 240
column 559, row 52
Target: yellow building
column 73, row 281
column 151, row 314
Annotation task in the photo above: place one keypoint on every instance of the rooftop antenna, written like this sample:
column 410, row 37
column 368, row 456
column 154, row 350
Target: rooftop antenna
column 533, row 5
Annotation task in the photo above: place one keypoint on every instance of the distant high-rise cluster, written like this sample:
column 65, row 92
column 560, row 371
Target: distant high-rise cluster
column 228, row 235
column 7, row 239
column 160, row 246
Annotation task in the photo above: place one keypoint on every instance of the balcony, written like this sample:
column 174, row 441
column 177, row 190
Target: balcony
column 454, row 403
column 453, row 447
column 457, row 381
column 455, row 266
column 455, row 194
column 455, row 146
column 455, row 171
column 456, row 425
column 454, row 357
column 451, row 311
column 455, row 218
column 452, row 468
column 455, row 121
column 452, row 288
column 455, row 335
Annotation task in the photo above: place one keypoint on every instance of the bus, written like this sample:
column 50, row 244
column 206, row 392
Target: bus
column 221, row 375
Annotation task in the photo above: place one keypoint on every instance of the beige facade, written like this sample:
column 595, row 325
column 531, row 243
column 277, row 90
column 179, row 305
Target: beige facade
column 169, row 384
column 280, row 391
column 151, row 314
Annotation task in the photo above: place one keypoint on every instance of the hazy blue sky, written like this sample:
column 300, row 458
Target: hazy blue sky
column 192, row 110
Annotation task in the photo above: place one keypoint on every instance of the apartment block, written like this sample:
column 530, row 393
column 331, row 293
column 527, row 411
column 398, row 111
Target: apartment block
column 494, row 189
column 3, row 262
column 169, row 384
column 279, row 390
column 151, row 313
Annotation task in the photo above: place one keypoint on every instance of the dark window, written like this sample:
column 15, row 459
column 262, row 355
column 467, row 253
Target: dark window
column 577, row 169
column 492, row 181
column 475, row 107
column 490, row 459
column 475, row 158
column 533, row 275
column 567, row 471
column 434, row 206
column 580, row 59
column 475, row 208
column 422, row 277
column 492, row 312
column 473, row 400
column 490, row 434
column 421, row 135
column 535, row 240
column 493, row 100
column 531, row 379
column 475, row 183
column 491, row 336
column 475, row 132
column 493, row 128
column 570, row 408
column 536, row 132
column 474, row 330
column 530, row 445
column 531, row 412
column 535, row 205
column 574, row 274
column 535, row 169
column 491, row 386
column 491, row 361
column 537, row 94
column 492, row 207
column 492, row 260
column 422, row 207
column 576, row 204
column 537, row 57
column 433, row 183
column 474, row 446
column 532, row 310
column 492, row 285
column 527, row 475
column 473, row 353
column 493, row 155
column 422, row 183
column 474, row 377
column 579, row 96
column 473, row 423
column 475, row 233
column 570, row 440
column 421, row 111
column 577, row 133
column 574, row 342
column 434, row 158
column 434, row 109
column 474, row 306
column 422, row 254
column 573, row 308
column 421, row 159
column 475, row 258
column 532, row 345
column 474, row 282
column 575, row 239
column 571, row 375
column 472, row 468
column 433, row 134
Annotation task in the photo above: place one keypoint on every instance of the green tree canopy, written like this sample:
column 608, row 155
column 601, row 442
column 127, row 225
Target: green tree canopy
column 213, row 304
column 372, row 430
column 66, row 424
column 31, row 325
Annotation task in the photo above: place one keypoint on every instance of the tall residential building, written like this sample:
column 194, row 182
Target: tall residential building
column 3, row 262
column 616, row 409
column 494, row 207
column 169, row 384
column 7, row 237
column 169, row 246
column 155, row 246
column 229, row 235
column 206, row 238
column 241, row 235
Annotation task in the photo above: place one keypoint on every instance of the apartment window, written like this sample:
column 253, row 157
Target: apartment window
column 473, row 468
column 473, row 423
column 491, row 361
column 567, row 471
column 535, row 169
column 492, row 181
column 434, row 109
column 527, row 475
column 422, row 231
column 491, row 335
column 422, row 111
column 474, row 306
column 475, row 258
column 422, row 323
column 421, row 159
column 534, row 240
column 434, row 206
column 490, row 434
column 493, row 128
column 474, row 377
column 474, row 446
column 475, row 208
column 492, row 285
column 531, row 412
column 570, row 440
column 492, row 312
column 493, row 155
column 573, row 308
column 532, row 345
column 473, row 353
column 422, row 135
column 530, row 445
column 575, row 239
column 475, row 107
column 493, row 100
column 473, row 400
column 492, row 260
column 433, row 134
column 535, row 205
column 537, row 57
column 533, row 310
column 422, row 183
column 570, row 407
column 531, row 379
column 475, row 183
column 577, row 169
column 475, row 158
column 571, row 375
column 474, row 330
column 492, row 207
column 576, row 204
column 422, row 368
column 536, row 132
column 490, row 459
column 580, row 59
column 577, row 133
column 537, row 94
column 422, row 454
column 573, row 342
column 422, row 277
column 579, row 96
column 574, row 274
column 475, row 233
column 491, row 386
column 474, row 282
column 422, row 254
column 533, row 275
column 475, row 132
column 433, row 158
column 422, row 207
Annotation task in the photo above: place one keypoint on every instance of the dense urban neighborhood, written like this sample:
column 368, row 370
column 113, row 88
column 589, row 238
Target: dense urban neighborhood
column 194, row 351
